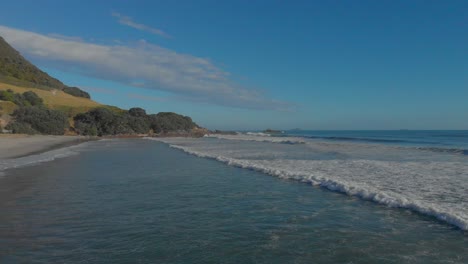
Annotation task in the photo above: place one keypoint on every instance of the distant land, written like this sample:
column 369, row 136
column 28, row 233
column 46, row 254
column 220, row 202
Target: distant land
column 272, row 131
column 33, row 102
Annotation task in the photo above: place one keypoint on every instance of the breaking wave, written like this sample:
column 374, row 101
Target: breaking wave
column 260, row 134
column 359, row 139
column 445, row 150
column 6, row 164
column 259, row 138
column 367, row 193
column 430, row 186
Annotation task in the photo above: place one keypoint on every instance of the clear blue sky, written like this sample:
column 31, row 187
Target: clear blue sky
column 258, row 64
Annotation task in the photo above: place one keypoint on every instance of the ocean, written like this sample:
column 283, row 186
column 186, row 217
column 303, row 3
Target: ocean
column 298, row 197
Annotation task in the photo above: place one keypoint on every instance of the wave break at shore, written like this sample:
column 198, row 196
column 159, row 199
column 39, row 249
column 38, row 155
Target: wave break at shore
column 420, row 180
column 34, row 159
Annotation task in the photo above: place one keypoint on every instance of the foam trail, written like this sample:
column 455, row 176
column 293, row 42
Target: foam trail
column 368, row 193
column 458, row 151
column 429, row 186
column 339, row 141
column 6, row 164
column 260, row 134
column 258, row 138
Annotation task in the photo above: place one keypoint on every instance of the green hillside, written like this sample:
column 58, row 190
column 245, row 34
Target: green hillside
column 32, row 102
column 57, row 99
column 16, row 70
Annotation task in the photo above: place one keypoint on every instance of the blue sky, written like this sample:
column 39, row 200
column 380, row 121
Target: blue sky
column 258, row 64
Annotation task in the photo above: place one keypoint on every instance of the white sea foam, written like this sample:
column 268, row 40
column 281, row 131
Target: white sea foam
column 259, row 138
column 260, row 134
column 431, row 184
column 6, row 164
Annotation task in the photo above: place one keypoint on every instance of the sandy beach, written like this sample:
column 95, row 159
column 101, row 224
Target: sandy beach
column 13, row 146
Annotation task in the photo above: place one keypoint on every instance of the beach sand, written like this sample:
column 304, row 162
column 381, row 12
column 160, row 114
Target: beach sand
column 13, row 146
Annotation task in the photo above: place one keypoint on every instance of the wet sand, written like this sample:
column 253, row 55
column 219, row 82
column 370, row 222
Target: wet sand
column 14, row 146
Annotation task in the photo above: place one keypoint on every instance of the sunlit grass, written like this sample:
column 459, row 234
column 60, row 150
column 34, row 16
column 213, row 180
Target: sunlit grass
column 56, row 99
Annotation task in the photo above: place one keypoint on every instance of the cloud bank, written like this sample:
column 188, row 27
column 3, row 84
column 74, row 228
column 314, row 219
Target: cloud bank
column 141, row 65
column 128, row 21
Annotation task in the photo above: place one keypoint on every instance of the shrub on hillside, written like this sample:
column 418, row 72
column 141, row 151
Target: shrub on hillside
column 21, row 128
column 101, row 121
column 7, row 95
column 139, row 125
column 138, row 120
column 168, row 122
column 28, row 98
column 137, row 112
column 32, row 98
column 75, row 91
column 40, row 119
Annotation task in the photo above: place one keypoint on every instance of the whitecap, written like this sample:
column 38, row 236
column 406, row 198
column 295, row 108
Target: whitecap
column 7, row 164
column 258, row 138
column 429, row 185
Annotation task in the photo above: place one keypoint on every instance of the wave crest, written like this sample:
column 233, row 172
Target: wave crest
column 258, row 138
column 6, row 164
column 391, row 183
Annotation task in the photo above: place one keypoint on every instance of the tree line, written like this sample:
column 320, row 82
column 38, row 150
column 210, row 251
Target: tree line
column 25, row 99
column 32, row 117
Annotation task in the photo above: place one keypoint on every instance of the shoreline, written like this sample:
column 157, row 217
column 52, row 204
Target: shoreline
column 13, row 146
column 17, row 146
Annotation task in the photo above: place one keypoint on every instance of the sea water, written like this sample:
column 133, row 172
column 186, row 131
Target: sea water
column 427, row 171
column 142, row 201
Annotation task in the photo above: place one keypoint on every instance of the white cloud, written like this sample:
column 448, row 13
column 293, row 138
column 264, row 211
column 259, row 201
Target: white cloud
column 128, row 21
column 141, row 65
column 59, row 36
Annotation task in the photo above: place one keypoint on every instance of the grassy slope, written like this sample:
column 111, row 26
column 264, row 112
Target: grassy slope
column 56, row 99
column 6, row 107
column 16, row 70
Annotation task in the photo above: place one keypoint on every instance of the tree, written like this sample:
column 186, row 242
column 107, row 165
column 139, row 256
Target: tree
column 102, row 121
column 75, row 91
column 40, row 119
column 169, row 122
column 7, row 95
column 85, row 124
column 138, row 120
column 21, row 128
column 28, row 98
column 32, row 98
column 139, row 125
column 137, row 112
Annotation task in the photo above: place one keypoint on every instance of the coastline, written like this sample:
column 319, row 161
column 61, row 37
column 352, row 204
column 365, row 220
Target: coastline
column 20, row 145
column 15, row 146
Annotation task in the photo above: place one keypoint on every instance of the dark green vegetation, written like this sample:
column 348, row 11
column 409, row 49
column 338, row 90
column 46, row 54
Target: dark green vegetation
column 102, row 121
column 166, row 122
column 16, row 70
column 25, row 99
column 75, row 91
column 32, row 116
column 38, row 120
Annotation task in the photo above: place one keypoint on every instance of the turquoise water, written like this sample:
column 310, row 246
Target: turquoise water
column 138, row 201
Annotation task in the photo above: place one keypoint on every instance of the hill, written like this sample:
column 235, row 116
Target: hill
column 16, row 70
column 32, row 102
column 57, row 99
